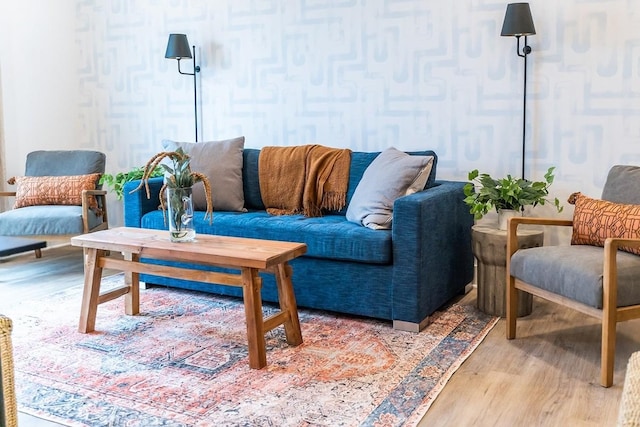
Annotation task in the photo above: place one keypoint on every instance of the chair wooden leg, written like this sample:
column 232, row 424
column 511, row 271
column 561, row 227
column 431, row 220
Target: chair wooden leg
column 608, row 350
column 512, row 307
column 609, row 314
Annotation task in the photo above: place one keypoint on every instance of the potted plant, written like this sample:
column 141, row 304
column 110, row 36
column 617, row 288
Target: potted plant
column 484, row 193
column 116, row 182
column 179, row 178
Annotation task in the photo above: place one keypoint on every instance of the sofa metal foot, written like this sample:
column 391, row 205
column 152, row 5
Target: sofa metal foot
column 401, row 325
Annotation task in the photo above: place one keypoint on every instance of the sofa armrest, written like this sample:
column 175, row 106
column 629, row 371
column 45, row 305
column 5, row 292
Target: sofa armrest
column 136, row 204
column 432, row 253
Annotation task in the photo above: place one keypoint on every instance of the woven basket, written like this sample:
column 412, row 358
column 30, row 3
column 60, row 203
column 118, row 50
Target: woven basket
column 9, row 408
column 630, row 403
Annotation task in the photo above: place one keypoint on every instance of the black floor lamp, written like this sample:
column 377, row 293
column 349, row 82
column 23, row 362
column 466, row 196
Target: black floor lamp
column 178, row 48
column 518, row 22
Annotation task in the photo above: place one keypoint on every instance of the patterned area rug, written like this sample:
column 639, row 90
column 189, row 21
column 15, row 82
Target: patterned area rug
column 183, row 362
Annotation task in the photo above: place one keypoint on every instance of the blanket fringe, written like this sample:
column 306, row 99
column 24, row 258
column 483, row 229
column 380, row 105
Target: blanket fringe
column 334, row 201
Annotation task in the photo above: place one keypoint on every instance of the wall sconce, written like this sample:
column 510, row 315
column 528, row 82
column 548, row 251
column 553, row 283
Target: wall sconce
column 178, row 48
column 518, row 22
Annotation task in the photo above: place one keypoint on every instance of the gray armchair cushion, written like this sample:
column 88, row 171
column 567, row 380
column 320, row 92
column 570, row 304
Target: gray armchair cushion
column 45, row 220
column 64, row 163
column 623, row 185
column 575, row 272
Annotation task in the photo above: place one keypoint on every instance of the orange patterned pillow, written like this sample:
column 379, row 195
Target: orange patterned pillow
column 54, row 190
column 595, row 220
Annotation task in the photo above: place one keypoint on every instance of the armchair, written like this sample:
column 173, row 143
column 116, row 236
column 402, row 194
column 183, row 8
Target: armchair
column 59, row 195
column 598, row 274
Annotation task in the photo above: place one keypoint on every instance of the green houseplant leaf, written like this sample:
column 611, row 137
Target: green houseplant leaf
column 116, row 182
column 484, row 193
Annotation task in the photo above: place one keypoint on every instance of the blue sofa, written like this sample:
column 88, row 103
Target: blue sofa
column 403, row 274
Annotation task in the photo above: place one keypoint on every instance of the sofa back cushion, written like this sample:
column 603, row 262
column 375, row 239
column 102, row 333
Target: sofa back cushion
column 359, row 163
column 251, row 180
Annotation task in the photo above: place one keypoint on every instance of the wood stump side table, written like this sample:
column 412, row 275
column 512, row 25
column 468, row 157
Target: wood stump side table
column 489, row 246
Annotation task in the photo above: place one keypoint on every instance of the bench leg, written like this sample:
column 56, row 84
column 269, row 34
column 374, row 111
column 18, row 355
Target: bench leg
column 91, row 292
column 251, row 284
column 288, row 304
column 132, row 280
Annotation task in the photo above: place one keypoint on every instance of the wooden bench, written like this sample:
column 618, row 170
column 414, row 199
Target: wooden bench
column 250, row 256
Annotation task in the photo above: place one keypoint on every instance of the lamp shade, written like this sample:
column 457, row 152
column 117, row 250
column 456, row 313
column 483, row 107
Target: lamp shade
column 518, row 20
column 178, row 47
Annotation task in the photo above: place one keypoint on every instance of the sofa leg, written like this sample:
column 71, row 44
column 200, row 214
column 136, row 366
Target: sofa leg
column 467, row 289
column 401, row 325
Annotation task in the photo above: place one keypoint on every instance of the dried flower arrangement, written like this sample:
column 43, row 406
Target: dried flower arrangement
column 178, row 175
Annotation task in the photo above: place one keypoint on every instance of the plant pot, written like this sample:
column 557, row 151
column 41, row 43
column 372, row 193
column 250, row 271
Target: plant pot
column 180, row 213
column 504, row 215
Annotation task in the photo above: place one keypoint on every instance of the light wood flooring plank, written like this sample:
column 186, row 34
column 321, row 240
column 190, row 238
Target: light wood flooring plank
column 547, row 376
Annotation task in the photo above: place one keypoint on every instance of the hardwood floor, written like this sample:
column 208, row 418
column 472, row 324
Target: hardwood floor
column 548, row 376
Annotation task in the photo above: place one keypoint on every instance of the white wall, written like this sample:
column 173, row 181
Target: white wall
column 38, row 74
column 415, row 74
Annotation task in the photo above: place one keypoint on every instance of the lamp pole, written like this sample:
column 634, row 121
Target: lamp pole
column 196, row 69
column 526, row 50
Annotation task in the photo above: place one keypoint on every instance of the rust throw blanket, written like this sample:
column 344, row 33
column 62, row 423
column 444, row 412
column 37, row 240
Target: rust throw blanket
column 303, row 179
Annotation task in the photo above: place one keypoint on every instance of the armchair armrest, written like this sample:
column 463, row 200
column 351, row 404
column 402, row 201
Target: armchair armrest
column 432, row 256
column 512, row 229
column 610, row 278
column 136, row 204
column 101, row 199
column 617, row 242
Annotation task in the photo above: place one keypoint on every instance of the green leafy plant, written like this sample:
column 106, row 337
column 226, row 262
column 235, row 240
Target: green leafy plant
column 116, row 182
column 506, row 193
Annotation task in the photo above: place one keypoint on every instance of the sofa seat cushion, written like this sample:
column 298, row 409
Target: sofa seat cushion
column 330, row 236
column 547, row 268
column 45, row 220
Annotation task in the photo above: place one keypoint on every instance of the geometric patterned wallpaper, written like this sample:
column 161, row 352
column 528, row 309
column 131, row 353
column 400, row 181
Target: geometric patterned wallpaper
column 369, row 74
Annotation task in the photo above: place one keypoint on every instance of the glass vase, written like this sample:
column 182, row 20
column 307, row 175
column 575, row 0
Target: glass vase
column 180, row 213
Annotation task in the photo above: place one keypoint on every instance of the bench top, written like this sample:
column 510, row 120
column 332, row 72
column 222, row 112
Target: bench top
column 206, row 249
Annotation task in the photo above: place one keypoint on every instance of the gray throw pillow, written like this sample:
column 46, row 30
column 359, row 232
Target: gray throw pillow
column 221, row 163
column 392, row 174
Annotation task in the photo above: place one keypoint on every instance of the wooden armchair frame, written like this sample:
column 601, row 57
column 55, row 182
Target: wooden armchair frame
column 609, row 315
column 101, row 197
